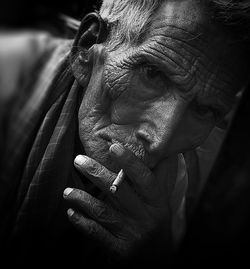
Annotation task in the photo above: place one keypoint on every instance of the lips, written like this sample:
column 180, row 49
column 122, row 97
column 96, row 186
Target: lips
column 138, row 150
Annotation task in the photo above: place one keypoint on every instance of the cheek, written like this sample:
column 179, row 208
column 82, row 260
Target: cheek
column 191, row 132
column 133, row 103
column 126, row 113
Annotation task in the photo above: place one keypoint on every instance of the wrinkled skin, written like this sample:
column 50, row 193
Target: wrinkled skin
column 164, row 95
column 157, row 99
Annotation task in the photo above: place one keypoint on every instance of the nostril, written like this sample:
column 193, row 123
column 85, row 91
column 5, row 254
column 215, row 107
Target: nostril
column 153, row 144
column 144, row 137
column 156, row 146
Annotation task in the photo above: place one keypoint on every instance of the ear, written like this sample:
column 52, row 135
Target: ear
column 93, row 30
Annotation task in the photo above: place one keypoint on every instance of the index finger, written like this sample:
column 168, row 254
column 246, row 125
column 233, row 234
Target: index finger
column 140, row 175
column 97, row 173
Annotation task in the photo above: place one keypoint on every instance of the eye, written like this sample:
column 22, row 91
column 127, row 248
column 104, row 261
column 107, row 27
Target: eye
column 151, row 71
column 208, row 112
column 153, row 77
column 203, row 110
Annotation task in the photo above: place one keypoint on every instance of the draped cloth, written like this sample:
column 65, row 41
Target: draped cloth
column 41, row 142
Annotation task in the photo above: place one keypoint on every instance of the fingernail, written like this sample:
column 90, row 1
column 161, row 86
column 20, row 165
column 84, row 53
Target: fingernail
column 80, row 160
column 117, row 149
column 67, row 192
column 70, row 212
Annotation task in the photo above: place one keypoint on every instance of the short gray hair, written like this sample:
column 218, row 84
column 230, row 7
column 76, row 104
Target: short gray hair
column 129, row 19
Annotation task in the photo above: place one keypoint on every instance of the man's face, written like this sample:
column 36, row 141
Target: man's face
column 162, row 96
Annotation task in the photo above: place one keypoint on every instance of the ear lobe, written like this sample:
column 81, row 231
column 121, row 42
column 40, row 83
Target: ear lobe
column 93, row 30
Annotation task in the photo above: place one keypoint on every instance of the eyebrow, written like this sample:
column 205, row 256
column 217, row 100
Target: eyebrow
column 185, row 79
column 175, row 65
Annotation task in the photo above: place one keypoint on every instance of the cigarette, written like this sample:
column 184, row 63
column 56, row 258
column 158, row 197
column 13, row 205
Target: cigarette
column 117, row 182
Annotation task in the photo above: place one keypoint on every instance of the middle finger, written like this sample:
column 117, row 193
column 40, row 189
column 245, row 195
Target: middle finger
column 94, row 208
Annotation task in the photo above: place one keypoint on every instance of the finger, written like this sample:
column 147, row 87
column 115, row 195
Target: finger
column 125, row 198
column 141, row 176
column 97, row 173
column 93, row 207
column 91, row 228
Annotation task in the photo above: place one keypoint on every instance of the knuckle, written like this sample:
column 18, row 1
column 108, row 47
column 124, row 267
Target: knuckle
column 76, row 219
column 100, row 211
column 95, row 169
column 78, row 194
column 82, row 223
column 93, row 228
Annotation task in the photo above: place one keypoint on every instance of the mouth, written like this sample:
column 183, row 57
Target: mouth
column 138, row 150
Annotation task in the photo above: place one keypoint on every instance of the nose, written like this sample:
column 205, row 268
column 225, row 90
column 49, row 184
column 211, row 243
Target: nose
column 159, row 131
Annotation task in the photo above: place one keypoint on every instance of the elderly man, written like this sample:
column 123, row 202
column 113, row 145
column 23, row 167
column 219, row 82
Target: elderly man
column 141, row 93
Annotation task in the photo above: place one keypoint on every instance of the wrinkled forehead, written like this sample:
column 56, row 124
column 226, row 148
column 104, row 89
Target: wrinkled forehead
column 183, row 24
column 190, row 12
column 187, row 17
column 187, row 23
column 135, row 21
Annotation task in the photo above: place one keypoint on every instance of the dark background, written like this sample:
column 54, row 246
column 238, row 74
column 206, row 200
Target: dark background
column 219, row 232
column 43, row 15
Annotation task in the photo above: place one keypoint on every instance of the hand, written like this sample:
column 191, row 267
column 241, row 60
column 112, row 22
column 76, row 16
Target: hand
column 139, row 209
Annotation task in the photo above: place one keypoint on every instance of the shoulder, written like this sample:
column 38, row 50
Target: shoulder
column 19, row 54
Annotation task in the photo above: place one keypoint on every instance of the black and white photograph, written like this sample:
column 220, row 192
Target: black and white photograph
column 124, row 134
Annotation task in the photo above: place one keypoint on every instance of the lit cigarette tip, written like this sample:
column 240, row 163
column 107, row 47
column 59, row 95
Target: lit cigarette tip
column 118, row 180
column 113, row 188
